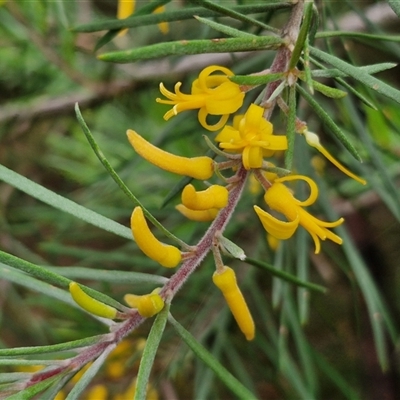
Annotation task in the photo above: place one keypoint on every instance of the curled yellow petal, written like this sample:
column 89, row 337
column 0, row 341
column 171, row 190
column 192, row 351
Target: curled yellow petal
column 225, row 280
column 90, row 304
column 163, row 26
column 195, row 167
column 197, row 215
column 166, row 255
column 279, row 229
column 215, row 196
column 313, row 188
column 147, row 305
column 312, row 139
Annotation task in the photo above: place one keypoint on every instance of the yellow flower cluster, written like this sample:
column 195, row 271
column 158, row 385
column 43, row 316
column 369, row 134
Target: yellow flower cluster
column 246, row 144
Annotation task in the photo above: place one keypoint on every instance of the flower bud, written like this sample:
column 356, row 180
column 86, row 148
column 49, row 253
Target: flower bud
column 215, row 196
column 90, row 304
column 195, row 215
column 226, row 282
column 166, row 255
column 147, row 305
column 196, row 167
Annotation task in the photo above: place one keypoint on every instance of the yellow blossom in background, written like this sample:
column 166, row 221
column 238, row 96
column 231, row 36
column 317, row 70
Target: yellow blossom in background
column 129, row 393
column 163, row 26
column 60, row 395
column 273, row 242
column 97, row 392
column 253, row 138
column 319, row 164
column 280, row 198
column 127, row 7
column 211, row 94
column 116, row 362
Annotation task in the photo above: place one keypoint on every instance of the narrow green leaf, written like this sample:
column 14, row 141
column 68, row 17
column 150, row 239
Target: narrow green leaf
column 89, row 374
column 75, row 344
column 335, row 73
column 307, row 66
column 108, row 275
column 149, row 353
column 305, row 26
column 285, row 275
column 19, row 361
column 291, row 128
column 223, row 374
column 325, row 117
column 143, row 11
column 254, row 80
column 177, row 15
column 9, row 377
column 358, row 74
column 358, row 94
column 50, row 277
column 34, row 270
column 228, row 30
column 33, row 390
column 395, row 6
column 212, row 5
column 334, row 375
column 61, row 203
column 378, row 313
column 361, row 35
column 351, row 88
column 232, row 248
column 186, row 47
column 302, row 271
column 118, row 180
column 329, row 91
column 306, row 363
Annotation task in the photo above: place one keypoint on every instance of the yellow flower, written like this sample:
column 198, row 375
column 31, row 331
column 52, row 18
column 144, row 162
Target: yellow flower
column 97, row 392
column 166, row 255
column 198, row 215
column 147, row 304
column 312, row 140
column 279, row 198
column 225, row 280
column 196, row 167
column 163, row 26
column 215, row 196
column 90, row 304
column 211, row 94
column 252, row 137
column 127, row 7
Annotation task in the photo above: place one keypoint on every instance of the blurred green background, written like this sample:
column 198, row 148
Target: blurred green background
column 45, row 69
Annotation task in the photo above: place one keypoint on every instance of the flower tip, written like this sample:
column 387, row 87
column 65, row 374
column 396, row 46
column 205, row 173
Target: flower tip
column 166, row 255
column 90, row 304
column 249, row 335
